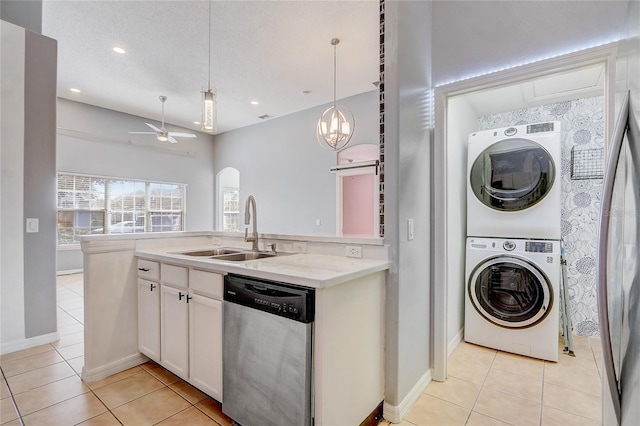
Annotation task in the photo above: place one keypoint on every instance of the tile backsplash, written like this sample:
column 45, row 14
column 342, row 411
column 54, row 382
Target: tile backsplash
column 582, row 124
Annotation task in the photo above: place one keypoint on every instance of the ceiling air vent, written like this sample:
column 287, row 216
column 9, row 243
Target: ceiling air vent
column 265, row 117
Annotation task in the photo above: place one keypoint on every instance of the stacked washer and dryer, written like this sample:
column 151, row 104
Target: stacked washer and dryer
column 513, row 239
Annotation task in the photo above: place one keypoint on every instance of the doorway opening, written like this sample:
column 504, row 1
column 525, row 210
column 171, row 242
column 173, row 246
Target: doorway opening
column 357, row 191
column 576, row 89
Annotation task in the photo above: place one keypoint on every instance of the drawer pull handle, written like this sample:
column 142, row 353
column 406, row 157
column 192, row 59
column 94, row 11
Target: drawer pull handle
column 143, row 269
column 189, row 298
column 153, row 286
column 180, row 295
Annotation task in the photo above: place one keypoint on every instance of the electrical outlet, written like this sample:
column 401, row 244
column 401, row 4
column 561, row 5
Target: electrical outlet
column 215, row 241
column 299, row 247
column 353, row 251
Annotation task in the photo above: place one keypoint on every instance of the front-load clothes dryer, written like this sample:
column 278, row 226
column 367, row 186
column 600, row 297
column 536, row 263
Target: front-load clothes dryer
column 512, row 295
column 513, row 182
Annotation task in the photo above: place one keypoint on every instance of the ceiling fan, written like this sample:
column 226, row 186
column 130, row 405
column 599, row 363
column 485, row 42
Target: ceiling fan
column 162, row 134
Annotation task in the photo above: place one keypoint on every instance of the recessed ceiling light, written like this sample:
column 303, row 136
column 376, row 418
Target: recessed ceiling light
column 254, row 102
column 196, row 122
column 74, row 90
column 119, row 50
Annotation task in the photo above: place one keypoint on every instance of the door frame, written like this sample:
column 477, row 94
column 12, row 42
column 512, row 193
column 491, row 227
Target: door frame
column 605, row 53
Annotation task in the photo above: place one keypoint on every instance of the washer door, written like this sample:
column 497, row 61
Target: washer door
column 510, row 292
column 513, row 174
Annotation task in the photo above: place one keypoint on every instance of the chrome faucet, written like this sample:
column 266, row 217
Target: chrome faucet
column 247, row 218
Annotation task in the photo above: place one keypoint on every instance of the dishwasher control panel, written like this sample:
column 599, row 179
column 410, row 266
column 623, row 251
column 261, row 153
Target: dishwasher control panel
column 282, row 299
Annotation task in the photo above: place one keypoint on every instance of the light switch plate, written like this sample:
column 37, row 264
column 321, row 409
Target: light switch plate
column 410, row 229
column 33, row 225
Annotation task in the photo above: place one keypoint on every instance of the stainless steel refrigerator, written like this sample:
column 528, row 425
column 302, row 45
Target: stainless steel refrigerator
column 619, row 273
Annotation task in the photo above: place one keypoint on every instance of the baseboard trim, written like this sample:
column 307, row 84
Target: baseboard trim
column 395, row 413
column 453, row 344
column 69, row 272
column 114, row 367
column 31, row 342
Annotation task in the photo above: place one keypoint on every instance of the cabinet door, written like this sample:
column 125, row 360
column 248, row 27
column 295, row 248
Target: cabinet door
column 149, row 319
column 174, row 329
column 205, row 345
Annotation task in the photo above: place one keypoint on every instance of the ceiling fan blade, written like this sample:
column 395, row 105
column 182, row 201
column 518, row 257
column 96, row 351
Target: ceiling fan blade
column 182, row 135
column 154, row 128
column 171, row 139
column 142, row 133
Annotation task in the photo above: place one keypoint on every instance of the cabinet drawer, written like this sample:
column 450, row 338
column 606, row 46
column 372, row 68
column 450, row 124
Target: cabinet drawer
column 206, row 283
column 175, row 275
column 148, row 269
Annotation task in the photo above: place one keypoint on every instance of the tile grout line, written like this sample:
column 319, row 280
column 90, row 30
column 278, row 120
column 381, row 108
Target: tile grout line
column 13, row 400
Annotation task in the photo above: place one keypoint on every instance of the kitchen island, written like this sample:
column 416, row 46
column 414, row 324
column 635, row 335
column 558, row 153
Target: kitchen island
column 348, row 334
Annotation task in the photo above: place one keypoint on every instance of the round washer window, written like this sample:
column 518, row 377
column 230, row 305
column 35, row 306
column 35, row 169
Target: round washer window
column 510, row 292
column 513, row 174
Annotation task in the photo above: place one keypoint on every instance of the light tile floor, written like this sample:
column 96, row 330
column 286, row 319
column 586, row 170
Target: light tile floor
column 489, row 387
column 42, row 386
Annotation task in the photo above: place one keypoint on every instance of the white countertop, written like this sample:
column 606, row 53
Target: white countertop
column 309, row 270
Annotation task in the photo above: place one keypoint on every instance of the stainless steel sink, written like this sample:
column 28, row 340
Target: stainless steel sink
column 248, row 255
column 212, row 252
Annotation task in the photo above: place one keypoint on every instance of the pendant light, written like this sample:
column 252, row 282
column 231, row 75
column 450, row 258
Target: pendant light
column 336, row 125
column 209, row 97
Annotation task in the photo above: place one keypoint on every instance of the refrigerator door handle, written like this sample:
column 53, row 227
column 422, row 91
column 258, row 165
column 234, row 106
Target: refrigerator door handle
column 603, row 253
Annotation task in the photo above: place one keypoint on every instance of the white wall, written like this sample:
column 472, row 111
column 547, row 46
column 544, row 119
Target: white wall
column 282, row 165
column 461, row 121
column 93, row 155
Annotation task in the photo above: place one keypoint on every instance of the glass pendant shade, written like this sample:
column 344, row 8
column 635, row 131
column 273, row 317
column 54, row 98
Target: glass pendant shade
column 209, row 111
column 335, row 127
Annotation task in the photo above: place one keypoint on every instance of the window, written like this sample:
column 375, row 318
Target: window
column 99, row 205
column 231, row 209
column 228, row 200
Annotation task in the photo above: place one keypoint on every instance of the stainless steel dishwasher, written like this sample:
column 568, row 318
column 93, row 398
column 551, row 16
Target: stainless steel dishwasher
column 267, row 375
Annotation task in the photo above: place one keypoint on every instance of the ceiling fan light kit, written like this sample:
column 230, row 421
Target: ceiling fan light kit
column 162, row 134
column 336, row 124
column 209, row 97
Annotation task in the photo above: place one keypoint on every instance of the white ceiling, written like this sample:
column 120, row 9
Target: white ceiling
column 267, row 51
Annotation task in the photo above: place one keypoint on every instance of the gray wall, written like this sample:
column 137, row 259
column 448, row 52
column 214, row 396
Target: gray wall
column 475, row 37
column 99, row 153
column 27, row 260
column 407, row 195
column 282, row 165
column 27, row 14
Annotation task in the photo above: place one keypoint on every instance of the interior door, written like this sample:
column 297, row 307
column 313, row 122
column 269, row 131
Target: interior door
column 512, row 175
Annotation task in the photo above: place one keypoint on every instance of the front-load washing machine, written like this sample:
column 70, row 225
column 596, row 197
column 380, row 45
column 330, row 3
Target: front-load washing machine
column 512, row 295
column 513, row 182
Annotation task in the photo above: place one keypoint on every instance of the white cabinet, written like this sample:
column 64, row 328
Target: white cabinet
column 205, row 345
column 149, row 318
column 174, row 330
column 180, row 322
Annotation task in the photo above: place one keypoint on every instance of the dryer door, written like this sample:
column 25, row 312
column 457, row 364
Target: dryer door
column 510, row 292
column 513, row 174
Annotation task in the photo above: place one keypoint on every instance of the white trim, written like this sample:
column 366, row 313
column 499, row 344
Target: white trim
column 18, row 345
column 89, row 376
column 605, row 53
column 69, row 271
column 453, row 344
column 395, row 413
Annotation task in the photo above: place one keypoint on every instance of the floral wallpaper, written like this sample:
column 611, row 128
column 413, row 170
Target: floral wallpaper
column 582, row 124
